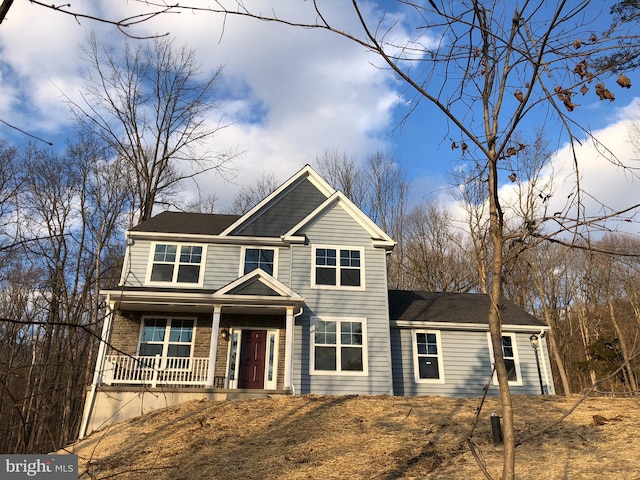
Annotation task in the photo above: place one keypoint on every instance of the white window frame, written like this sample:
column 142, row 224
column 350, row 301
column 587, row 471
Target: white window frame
column 337, row 285
column 416, row 356
column 176, row 264
column 338, row 371
column 243, row 254
column 516, row 358
column 167, row 333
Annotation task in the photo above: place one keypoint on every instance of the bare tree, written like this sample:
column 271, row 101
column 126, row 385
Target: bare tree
column 343, row 172
column 122, row 24
column 435, row 259
column 249, row 195
column 70, row 209
column 9, row 184
column 484, row 67
column 150, row 107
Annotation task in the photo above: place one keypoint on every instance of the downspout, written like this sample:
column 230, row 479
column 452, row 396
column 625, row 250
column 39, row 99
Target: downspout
column 296, row 315
column 97, row 374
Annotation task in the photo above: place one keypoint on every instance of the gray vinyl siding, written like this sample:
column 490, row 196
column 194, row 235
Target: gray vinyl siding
column 338, row 228
column 222, row 267
column 285, row 213
column 135, row 267
column 466, row 365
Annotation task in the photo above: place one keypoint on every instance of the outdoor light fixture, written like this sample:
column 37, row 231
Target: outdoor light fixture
column 225, row 333
column 534, row 344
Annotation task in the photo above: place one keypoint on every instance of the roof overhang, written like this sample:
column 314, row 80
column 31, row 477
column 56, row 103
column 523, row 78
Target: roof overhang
column 150, row 300
column 198, row 238
column 480, row 327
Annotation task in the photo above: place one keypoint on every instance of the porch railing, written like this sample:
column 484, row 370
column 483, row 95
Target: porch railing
column 153, row 371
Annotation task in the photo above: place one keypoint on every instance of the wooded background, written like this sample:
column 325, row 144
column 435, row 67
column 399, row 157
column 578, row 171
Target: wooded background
column 63, row 214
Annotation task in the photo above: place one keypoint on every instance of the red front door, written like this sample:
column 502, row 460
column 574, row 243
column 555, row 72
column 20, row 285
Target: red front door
column 252, row 359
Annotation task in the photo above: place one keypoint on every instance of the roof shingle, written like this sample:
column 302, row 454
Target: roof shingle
column 187, row 223
column 453, row 308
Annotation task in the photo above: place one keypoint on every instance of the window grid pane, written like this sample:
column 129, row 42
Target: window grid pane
column 190, row 254
column 165, row 253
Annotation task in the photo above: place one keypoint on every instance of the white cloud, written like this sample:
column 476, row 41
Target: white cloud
column 291, row 93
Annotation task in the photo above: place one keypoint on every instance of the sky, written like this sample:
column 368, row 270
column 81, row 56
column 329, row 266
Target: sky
column 291, row 94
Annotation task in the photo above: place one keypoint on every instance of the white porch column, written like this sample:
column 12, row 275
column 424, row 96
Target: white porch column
column 99, row 370
column 288, row 350
column 213, row 348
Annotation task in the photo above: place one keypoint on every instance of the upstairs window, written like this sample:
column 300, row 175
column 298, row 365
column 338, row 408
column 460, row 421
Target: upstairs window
column 172, row 263
column 263, row 258
column 338, row 267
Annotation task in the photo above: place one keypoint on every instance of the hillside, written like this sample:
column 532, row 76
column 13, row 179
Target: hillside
column 356, row 437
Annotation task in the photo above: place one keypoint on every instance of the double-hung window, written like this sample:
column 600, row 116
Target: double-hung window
column 427, row 356
column 338, row 267
column 167, row 337
column 339, row 346
column 263, row 258
column 511, row 360
column 173, row 263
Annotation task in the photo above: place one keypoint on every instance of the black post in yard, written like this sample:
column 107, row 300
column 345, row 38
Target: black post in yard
column 496, row 429
column 534, row 344
column 535, row 352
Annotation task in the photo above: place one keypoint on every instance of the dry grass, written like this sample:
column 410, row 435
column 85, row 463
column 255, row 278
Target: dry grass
column 360, row 437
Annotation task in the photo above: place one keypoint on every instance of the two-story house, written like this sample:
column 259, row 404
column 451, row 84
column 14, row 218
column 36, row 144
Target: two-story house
column 289, row 298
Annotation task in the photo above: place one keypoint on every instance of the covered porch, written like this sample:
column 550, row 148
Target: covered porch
column 238, row 340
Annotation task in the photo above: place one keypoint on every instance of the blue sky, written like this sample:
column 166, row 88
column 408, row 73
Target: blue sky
column 291, row 94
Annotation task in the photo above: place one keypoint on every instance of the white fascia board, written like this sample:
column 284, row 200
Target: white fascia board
column 199, row 238
column 380, row 239
column 115, row 293
column 258, row 273
column 304, row 172
column 465, row 326
column 181, row 298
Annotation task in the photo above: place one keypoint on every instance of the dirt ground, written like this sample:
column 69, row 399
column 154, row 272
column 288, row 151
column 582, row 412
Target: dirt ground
column 361, row 437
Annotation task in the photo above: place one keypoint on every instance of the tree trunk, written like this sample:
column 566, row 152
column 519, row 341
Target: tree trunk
column 496, row 230
column 555, row 353
column 628, row 370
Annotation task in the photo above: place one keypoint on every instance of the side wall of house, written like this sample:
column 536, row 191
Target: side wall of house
column 466, row 362
column 337, row 228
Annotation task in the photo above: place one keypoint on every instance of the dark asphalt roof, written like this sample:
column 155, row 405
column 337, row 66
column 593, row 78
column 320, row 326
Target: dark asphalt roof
column 187, row 223
column 453, row 308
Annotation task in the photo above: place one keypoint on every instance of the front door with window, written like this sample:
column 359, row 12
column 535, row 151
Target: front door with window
column 252, row 359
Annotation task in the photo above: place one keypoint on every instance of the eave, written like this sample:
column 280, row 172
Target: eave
column 480, row 327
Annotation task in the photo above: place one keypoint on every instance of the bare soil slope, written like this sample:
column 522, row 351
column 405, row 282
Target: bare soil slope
column 360, row 437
